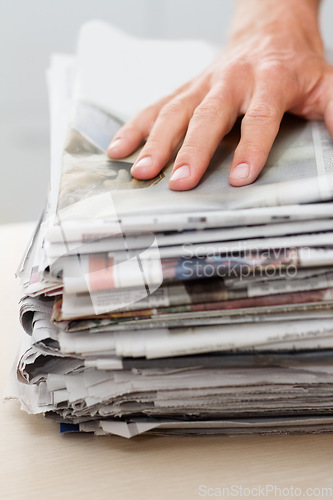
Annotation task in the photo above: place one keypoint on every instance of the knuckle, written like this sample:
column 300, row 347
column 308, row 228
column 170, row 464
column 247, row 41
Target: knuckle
column 192, row 149
column 157, row 145
column 153, row 143
column 207, row 110
column 222, row 92
column 237, row 68
column 278, row 70
column 262, row 112
column 176, row 106
column 273, row 68
column 214, row 105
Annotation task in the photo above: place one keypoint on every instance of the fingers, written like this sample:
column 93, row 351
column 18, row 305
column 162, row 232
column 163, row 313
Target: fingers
column 211, row 120
column 207, row 114
column 130, row 136
column 167, row 132
column 260, row 126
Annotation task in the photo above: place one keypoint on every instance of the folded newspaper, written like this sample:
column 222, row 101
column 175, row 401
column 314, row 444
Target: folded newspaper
column 152, row 311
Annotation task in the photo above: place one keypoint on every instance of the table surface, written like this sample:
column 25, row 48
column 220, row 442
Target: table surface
column 37, row 462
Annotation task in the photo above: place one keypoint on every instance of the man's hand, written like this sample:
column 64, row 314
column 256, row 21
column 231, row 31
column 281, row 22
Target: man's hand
column 273, row 63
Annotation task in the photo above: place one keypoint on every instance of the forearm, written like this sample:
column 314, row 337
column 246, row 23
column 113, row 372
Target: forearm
column 298, row 18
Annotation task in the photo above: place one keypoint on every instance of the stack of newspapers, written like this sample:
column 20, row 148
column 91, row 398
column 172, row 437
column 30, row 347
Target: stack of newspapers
column 184, row 313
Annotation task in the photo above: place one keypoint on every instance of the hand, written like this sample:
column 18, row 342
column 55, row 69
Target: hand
column 273, row 63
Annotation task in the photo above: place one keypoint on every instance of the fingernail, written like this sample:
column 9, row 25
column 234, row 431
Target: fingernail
column 181, row 173
column 241, row 171
column 144, row 162
column 114, row 144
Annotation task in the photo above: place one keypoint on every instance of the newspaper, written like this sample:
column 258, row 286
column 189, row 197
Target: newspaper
column 184, row 221
column 146, row 310
column 188, row 292
column 94, row 187
column 165, row 342
column 299, row 168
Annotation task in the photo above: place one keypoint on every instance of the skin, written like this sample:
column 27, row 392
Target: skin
column 274, row 63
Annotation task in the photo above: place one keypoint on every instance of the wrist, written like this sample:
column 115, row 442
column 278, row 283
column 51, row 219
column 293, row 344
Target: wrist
column 293, row 19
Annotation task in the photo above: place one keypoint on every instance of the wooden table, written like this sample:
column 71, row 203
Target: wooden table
column 39, row 463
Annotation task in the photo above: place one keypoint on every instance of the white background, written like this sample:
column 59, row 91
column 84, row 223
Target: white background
column 31, row 29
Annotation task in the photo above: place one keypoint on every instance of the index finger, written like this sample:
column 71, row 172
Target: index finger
column 138, row 128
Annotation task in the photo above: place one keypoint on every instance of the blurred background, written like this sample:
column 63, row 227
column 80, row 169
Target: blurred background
column 31, row 29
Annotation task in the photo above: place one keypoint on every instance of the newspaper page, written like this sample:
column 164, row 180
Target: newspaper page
column 95, row 189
